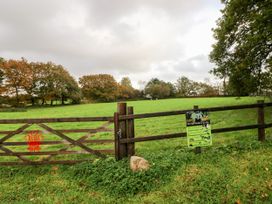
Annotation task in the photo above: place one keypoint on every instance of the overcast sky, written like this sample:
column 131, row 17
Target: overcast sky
column 141, row 39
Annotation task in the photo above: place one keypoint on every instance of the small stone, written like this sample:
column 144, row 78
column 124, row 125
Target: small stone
column 138, row 164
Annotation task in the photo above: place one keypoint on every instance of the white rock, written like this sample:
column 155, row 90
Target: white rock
column 138, row 164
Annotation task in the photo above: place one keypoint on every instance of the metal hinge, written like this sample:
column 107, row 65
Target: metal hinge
column 119, row 133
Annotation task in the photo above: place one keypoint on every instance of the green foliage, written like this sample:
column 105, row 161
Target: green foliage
column 99, row 87
column 225, row 174
column 243, row 45
column 116, row 179
column 125, row 89
column 159, row 89
column 184, row 86
column 187, row 87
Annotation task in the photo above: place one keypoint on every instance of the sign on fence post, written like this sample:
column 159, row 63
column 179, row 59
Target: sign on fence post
column 198, row 129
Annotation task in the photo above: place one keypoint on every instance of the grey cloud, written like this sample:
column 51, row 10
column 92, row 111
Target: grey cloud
column 118, row 37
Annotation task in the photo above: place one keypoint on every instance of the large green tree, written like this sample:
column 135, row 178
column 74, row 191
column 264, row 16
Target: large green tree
column 55, row 83
column 184, row 86
column 243, row 45
column 99, row 87
column 158, row 88
column 125, row 89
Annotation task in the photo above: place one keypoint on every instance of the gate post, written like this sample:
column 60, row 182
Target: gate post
column 121, row 131
column 130, row 133
column 197, row 149
column 261, row 121
column 116, row 136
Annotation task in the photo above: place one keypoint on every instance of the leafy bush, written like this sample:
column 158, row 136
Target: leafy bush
column 115, row 178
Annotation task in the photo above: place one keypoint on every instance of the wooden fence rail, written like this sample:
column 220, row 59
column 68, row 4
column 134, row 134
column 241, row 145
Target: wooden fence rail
column 55, row 120
column 125, row 135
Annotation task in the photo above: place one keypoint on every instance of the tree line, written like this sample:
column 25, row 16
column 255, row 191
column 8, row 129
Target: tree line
column 37, row 83
column 23, row 82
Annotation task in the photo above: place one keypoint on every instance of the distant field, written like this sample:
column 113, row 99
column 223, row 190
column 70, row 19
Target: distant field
column 236, row 168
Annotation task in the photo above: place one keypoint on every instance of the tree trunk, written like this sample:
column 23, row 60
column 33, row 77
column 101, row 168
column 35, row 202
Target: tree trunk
column 32, row 101
column 17, row 97
column 51, row 103
column 62, row 100
column 224, row 87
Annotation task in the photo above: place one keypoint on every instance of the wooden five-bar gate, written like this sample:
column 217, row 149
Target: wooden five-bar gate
column 123, row 138
column 66, row 141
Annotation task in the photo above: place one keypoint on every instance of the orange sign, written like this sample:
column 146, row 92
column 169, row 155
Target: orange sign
column 34, row 141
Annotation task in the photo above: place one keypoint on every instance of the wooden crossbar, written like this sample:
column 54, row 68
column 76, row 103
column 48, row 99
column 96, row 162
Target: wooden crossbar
column 53, row 152
column 97, row 130
column 58, row 142
column 43, row 162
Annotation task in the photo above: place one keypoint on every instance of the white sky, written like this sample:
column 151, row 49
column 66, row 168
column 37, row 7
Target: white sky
column 141, row 39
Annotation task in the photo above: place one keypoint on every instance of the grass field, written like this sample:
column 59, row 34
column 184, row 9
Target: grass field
column 237, row 168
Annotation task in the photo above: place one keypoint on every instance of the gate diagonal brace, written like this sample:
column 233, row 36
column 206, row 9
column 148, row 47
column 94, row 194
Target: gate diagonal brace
column 66, row 148
column 74, row 142
column 81, row 139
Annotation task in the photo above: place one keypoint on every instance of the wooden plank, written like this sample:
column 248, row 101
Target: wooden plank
column 130, row 133
column 41, row 153
column 74, row 142
column 122, row 110
column 150, row 138
column 67, row 131
column 116, row 136
column 268, row 125
column 233, row 129
column 184, row 134
column 261, row 130
column 180, row 112
column 58, row 142
column 109, row 151
column 44, row 162
column 55, row 120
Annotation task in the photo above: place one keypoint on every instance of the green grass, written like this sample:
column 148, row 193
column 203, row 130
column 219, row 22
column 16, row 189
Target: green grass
column 237, row 168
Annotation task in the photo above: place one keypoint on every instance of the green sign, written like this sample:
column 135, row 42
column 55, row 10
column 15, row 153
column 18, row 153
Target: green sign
column 198, row 129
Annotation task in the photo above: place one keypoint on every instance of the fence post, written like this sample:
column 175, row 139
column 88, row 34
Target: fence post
column 122, row 147
column 130, row 133
column 116, row 136
column 197, row 149
column 261, row 121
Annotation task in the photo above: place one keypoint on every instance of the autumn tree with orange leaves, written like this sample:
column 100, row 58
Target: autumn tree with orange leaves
column 17, row 77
